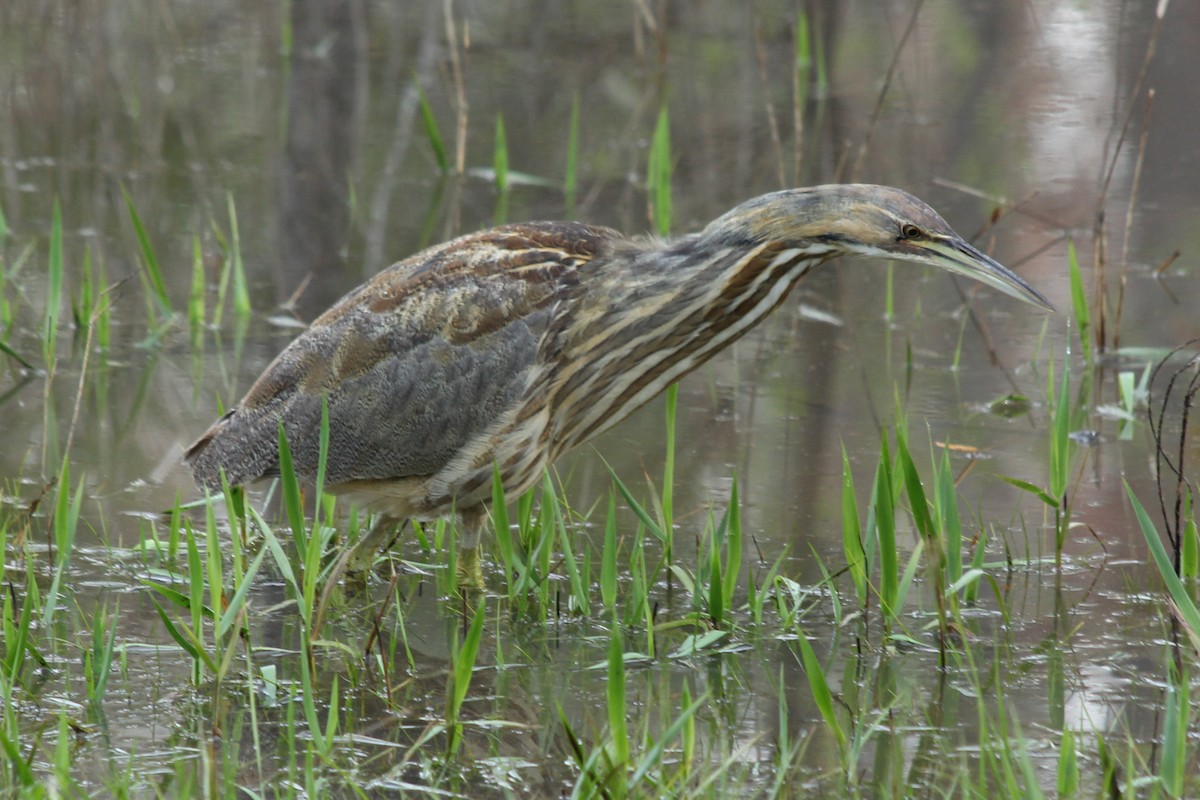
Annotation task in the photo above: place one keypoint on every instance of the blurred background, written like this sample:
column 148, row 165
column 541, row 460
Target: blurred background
column 298, row 136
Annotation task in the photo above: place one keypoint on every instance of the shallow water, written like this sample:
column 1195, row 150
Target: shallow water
column 309, row 125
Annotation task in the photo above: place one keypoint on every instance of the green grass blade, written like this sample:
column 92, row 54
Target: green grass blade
column 21, row 768
column 570, row 563
column 608, row 559
column 178, row 598
column 616, row 697
column 803, row 54
column 308, row 695
column 1026, row 486
column 573, row 741
column 637, row 508
column 1184, row 604
column 500, row 167
column 885, row 527
column 15, row 356
column 1173, row 770
column 291, row 495
column 653, row 757
column 464, row 666
column 658, row 178
column 1190, row 554
column 218, row 313
column 149, row 259
column 733, row 543
column 16, row 633
column 1060, row 442
column 331, row 718
column 668, row 490
column 214, row 563
column 638, row 601
column 1060, row 460
column 971, row 588
column 910, row 572
column 432, row 134
column 913, row 487
column 964, row 581
column 54, row 285
column 716, row 583
column 63, row 757
column 65, row 523
column 241, row 292
column 852, row 546
column 949, row 522
column 103, row 317
column 510, row 560
column 196, row 653
column 569, row 179
column 238, row 601
column 196, row 588
column 1031, row 789
column 81, row 311
column 282, row 563
column 66, row 514
column 500, row 156
column 1068, row 765
column 1079, row 300
column 819, row 687
column 322, row 449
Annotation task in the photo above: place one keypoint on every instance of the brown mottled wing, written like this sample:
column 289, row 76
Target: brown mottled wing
column 415, row 362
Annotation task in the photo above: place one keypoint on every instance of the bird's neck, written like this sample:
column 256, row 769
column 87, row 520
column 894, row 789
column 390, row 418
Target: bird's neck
column 651, row 315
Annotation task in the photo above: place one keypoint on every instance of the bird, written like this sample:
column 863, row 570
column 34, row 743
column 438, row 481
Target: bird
column 501, row 350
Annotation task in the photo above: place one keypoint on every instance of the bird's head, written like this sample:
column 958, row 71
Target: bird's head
column 861, row 219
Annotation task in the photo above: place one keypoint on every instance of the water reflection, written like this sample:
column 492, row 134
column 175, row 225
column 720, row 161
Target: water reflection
column 324, row 119
column 307, row 117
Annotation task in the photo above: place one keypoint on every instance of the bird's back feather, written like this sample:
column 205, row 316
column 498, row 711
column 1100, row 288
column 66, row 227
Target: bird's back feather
column 413, row 364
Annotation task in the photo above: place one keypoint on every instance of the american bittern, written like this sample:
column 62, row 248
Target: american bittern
column 511, row 346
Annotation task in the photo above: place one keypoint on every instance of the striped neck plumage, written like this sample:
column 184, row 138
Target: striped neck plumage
column 654, row 326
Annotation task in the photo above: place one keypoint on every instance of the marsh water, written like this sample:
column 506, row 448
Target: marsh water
column 1027, row 125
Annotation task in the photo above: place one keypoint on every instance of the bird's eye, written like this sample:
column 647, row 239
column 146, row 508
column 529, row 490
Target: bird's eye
column 910, row 231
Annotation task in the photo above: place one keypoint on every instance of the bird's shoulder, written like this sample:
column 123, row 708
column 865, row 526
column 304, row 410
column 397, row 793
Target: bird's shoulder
column 412, row 362
column 482, row 291
column 527, row 260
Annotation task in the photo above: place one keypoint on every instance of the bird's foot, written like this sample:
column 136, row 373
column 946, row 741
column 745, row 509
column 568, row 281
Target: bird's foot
column 469, row 570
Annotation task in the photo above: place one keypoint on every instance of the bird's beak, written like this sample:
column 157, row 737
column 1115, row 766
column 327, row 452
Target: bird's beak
column 954, row 254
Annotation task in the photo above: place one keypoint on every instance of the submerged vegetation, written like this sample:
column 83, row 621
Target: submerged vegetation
column 925, row 633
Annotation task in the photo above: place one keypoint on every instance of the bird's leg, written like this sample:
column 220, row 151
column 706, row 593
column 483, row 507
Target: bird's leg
column 356, row 561
column 385, row 531
column 470, row 572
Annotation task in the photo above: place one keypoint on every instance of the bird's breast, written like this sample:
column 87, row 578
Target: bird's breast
column 635, row 334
